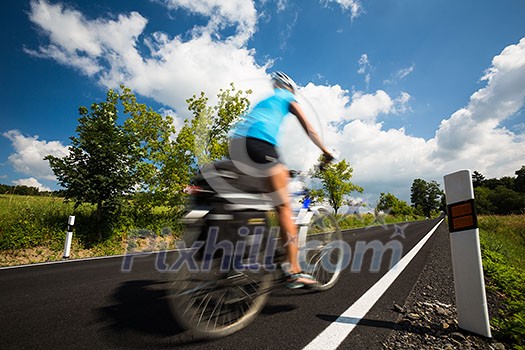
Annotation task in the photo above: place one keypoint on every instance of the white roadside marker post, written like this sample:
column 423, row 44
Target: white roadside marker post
column 69, row 237
column 469, row 284
column 302, row 221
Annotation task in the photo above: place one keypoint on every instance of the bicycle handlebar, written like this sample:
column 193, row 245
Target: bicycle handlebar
column 322, row 166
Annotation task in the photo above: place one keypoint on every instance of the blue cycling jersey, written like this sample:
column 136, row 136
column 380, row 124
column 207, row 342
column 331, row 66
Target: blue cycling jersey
column 264, row 120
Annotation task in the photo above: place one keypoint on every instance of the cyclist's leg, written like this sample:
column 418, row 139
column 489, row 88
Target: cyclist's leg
column 263, row 156
column 279, row 177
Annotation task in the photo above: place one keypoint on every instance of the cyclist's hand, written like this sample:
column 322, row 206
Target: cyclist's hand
column 327, row 158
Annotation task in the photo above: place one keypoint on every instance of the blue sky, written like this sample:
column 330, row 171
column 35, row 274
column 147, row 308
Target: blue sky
column 417, row 89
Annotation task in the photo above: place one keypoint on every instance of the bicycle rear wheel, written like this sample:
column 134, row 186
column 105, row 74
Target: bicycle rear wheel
column 322, row 253
column 213, row 304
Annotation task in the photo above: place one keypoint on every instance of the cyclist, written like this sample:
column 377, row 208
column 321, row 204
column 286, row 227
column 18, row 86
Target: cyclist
column 254, row 142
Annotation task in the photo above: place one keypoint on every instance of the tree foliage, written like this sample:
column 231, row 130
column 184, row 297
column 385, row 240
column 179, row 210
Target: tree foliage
column 211, row 124
column 501, row 196
column 394, row 206
column 426, row 197
column 477, row 179
column 519, row 182
column 336, row 184
column 142, row 156
column 102, row 161
column 22, row 190
column 204, row 138
column 157, row 169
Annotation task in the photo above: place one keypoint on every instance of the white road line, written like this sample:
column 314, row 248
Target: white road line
column 338, row 330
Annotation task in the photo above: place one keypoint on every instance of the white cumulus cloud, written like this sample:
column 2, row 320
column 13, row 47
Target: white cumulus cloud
column 238, row 13
column 29, row 153
column 174, row 68
column 31, row 182
column 388, row 160
column 473, row 134
column 86, row 44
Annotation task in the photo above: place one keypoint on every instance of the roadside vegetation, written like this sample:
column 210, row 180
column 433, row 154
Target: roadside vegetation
column 503, row 252
column 501, row 205
column 32, row 229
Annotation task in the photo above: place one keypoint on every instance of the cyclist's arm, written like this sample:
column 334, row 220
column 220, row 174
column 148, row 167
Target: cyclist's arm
column 296, row 110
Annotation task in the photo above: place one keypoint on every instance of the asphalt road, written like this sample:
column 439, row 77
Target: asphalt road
column 94, row 305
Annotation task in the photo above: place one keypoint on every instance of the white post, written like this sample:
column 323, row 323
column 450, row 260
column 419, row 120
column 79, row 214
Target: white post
column 69, row 237
column 469, row 284
column 303, row 220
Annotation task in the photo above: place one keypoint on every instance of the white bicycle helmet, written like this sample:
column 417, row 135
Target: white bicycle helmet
column 281, row 78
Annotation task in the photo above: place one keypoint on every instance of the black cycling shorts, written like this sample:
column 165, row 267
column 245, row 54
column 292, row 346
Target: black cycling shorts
column 259, row 151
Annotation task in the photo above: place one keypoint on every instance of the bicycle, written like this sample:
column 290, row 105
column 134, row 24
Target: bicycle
column 229, row 284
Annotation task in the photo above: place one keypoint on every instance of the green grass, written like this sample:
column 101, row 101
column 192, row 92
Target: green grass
column 505, row 235
column 503, row 251
column 369, row 219
column 30, row 221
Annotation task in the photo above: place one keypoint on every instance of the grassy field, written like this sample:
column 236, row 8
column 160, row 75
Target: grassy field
column 32, row 229
column 503, row 251
column 28, row 221
column 505, row 235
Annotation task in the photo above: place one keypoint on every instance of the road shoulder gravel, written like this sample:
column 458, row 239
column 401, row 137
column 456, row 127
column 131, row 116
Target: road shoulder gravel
column 428, row 319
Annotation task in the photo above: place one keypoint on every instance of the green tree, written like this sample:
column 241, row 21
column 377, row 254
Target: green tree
column 100, row 167
column 392, row 205
column 143, row 155
column 336, row 184
column 501, row 196
column 484, row 205
column 507, row 201
column 5, row 189
column 519, row 182
column 169, row 161
column 477, row 179
column 157, row 172
column 211, row 124
column 426, row 196
column 506, row 181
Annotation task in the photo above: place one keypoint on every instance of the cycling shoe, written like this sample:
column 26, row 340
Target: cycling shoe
column 299, row 280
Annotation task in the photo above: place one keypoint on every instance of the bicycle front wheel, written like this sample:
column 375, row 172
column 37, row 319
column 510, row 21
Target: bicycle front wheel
column 213, row 304
column 322, row 253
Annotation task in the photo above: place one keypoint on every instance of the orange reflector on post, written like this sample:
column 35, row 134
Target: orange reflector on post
column 462, row 216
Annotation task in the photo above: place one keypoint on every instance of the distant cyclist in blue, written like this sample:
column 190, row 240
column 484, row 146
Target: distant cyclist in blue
column 254, row 141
